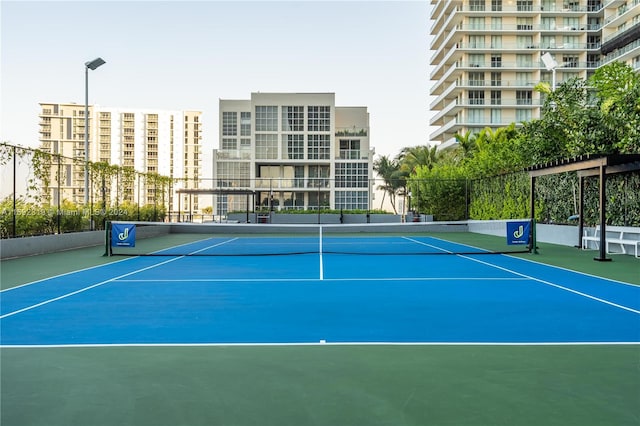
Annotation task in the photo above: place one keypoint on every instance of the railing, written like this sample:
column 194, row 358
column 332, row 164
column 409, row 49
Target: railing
column 527, row 7
column 350, row 131
column 525, row 27
column 523, row 46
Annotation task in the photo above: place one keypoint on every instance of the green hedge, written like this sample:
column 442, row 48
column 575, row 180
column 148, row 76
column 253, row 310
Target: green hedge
column 557, row 198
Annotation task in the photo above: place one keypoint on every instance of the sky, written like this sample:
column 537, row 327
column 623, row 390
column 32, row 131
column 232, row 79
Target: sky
column 187, row 55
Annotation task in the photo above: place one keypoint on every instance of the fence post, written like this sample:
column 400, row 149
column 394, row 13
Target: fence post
column 13, row 231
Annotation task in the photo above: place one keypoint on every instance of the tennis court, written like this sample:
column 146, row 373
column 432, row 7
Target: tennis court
column 301, row 330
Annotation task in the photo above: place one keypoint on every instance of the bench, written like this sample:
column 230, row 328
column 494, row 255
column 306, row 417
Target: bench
column 621, row 236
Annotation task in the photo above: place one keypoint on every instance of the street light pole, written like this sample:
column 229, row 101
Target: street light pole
column 551, row 65
column 87, row 66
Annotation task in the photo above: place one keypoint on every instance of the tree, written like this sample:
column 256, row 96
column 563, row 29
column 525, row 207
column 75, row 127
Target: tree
column 617, row 87
column 467, row 143
column 417, row 156
column 389, row 171
column 494, row 153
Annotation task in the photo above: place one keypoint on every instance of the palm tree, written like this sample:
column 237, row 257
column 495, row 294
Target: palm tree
column 388, row 170
column 467, row 142
column 415, row 156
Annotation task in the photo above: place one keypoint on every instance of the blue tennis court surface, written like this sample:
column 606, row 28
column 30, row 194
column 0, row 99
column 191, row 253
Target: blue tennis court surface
column 321, row 297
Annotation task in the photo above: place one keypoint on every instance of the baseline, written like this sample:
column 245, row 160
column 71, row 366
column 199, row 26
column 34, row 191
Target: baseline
column 319, row 343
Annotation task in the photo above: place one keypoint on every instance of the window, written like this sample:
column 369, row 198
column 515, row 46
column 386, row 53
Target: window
column 292, row 118
column 523, row 115
column 548, row 42
column 496, row 41
column 524, row 61
column 293, row 200
column 496, row 23
column 570, row 23
column 476, row 115
column 318, row 177
column 476, row 41
column 318, row 147
column 266, row 146
column 593, row 5
column 293, row 147
column 476, row 79
column 548, row 23
column 318, row 118
column 570, row 61
column 548, row 5
column 524, row 5
column 524, row 78
column 524, row 42
column 229, row 123
column 476, row 60
column 351, row 175
column 571, row 42
column 571, row 4
column 231, row 174
column 476, row 97
column 496, row 116
column 298, row 173
column 496, row 97
column 496, row 5
column 266, row 119
column 476, row 23
column 476, row 5
column 229, row 143
column 496, row 79
column 352, row 200
column 496, row 61
column 349, row 149
column 524, row 24
column 523, row 97
column 566, row 76
column 245, row 124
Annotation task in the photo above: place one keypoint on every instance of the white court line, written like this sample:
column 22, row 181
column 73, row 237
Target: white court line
column 66, row 273
column 545, row 264
column 82, row 290
column 323, row 343
column 428, row 245
column 320, row 256
column 64, row 296
column 588, row 296
column 99, row 266
column 539, row 280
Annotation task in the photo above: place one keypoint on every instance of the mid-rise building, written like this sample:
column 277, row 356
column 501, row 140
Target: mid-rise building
column 487, row 55
column 293, row 151
column 146, row 141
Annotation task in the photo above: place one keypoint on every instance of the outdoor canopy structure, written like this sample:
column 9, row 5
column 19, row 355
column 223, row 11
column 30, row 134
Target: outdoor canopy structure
column 246, row 192
column 588, row 165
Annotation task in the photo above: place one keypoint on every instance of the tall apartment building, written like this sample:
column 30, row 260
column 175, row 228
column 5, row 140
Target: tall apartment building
column 487, row 55
column 145, row 140
column 293, row 151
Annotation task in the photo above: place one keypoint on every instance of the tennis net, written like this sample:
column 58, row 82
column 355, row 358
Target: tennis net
column 226, row 239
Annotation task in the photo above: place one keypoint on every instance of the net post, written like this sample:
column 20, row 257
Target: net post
column 107, row 238
column 534, row 243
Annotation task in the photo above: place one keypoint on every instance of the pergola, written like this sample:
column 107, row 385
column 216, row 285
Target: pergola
column 218, row 191
column 585, row 166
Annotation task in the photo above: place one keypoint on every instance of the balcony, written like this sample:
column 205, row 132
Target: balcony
column 350, row 131
column 350, row 154
column 233, row 155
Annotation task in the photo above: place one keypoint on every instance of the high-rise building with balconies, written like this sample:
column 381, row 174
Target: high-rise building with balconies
column 147, row 141
column 292, row 151
column 487, row 55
